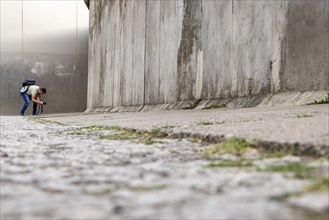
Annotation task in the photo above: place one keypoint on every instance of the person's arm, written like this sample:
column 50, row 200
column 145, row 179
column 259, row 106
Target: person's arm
column 36, row 99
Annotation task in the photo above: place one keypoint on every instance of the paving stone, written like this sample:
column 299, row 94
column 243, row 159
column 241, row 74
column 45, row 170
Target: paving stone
column 52, row 174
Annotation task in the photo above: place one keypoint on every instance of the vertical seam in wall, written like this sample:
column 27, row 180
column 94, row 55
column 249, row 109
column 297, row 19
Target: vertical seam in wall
column 121, row 58
column 145, row 57
column 159, row 52
column 76, row 53
column 114, row 55
column 232, row 49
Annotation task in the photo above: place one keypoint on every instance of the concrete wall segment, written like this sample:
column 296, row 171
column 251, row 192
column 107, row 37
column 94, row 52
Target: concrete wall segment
column 171, row 17
column 253, row 30
column 152, row 53
column 160, row 52
column 217, row 49
column 306, row 46
column 190, row 45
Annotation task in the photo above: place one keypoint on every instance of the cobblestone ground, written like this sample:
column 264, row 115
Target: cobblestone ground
column 50, row 172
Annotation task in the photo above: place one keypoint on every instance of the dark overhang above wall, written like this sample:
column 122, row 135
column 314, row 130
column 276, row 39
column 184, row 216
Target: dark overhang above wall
column 87, row 3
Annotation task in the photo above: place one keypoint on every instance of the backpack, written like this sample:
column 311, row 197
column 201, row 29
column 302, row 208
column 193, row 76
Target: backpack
column 26, row 85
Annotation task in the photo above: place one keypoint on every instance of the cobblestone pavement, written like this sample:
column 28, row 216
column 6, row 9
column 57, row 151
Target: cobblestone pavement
column 53, row 171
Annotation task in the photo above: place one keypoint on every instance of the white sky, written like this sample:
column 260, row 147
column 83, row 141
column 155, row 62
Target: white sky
column 41, row 18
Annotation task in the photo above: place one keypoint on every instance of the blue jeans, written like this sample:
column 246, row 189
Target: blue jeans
column 27, row 101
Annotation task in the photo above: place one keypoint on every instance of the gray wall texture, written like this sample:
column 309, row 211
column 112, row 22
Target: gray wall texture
column 149, row 52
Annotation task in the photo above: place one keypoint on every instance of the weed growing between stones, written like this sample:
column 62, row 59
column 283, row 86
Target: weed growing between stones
column 304, row 116
column 118, row 133
column 323, row 101
column 147, row 188
column 298, row 170
column 206, row 123
column 45, row 122
column 215, row 106
column 168, row 127
column 193, row 105
column 229, row 146
column 231, row 163
column 195, row 139
column 104, row 192
column 321, row 184
column 278, row 153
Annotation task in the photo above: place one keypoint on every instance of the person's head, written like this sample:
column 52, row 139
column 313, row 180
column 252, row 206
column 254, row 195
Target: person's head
column 42, row 91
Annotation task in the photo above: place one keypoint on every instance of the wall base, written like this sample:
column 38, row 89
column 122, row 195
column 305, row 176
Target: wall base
column 280, row 99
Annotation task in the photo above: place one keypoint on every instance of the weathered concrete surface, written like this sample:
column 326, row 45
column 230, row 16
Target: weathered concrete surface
column 306, row 48
column 306, row 126
column 151, row 52
column 48, row 173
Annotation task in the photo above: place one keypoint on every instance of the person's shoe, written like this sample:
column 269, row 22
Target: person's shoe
column 20, row 115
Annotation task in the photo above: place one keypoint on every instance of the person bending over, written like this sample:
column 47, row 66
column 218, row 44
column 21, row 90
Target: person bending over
column 33, row 93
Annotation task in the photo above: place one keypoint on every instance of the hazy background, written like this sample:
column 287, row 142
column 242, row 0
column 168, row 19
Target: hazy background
column 46, row 41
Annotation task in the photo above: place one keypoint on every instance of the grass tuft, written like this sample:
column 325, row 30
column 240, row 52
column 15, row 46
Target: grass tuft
column 193, row 105
column 231, row 146
column 215, row 106
column 297, row 169
column 231, row 163
column 323, row 101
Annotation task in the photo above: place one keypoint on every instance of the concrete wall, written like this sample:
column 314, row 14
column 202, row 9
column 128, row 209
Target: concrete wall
column 149, row 52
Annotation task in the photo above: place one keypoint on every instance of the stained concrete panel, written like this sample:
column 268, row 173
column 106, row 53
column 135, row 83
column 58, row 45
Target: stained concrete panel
column 152, row 50
column 306, row 46
column 108, row 54
column 133, row 61
column 171, row 17
column 119, row 11
column 252, row 30
column 189, row 48
column 217, row 49
column 94, row 59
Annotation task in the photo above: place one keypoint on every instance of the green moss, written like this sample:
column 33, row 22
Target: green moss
column 103, row 192
column 149, row 142
column 275, row 154
column 231, row 163
column 100, row 128
column 323, row 101
column 215, row 106
column 285, row 196
column 304, row 116
column 145, row 137
column 168, row 126
column 279, row 153
column 155, row 132
column 193, row 105
column 321, row 184
column 46, row 122
column 123, row 134
column 195, row 139
column 297, row 169
column 206, row 123
column 146, row 188
column 118, row 132
column 76, row 133
column 231, row 145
